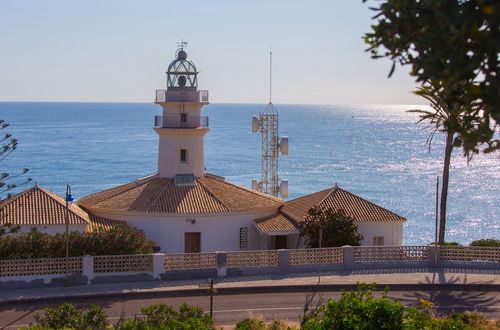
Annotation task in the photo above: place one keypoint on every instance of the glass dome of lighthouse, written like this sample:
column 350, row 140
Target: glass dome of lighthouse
column 181, row 73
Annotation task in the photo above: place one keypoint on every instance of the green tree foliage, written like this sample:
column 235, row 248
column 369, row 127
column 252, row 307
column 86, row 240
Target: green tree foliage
column 338, row 228
column 7, row 181
column 486, row 242
column 453, row 43
column 119, row 240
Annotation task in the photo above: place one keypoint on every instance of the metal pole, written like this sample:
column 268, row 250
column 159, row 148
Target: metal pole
column 320, row 261
column 437, row 210
column 67, row 243
column 211, row 297
column 68, row 199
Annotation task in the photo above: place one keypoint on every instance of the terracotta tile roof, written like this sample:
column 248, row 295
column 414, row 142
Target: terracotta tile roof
column 97, row 224
column 336, row 198
column 38, row 206
column 209, row 194
column 276, row 223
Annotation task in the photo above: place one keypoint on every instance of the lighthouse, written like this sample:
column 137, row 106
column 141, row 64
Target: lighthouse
column 181, row 128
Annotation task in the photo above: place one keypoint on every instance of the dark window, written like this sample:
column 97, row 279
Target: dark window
column 183, row 155
column 183, row 117
column 184, row 179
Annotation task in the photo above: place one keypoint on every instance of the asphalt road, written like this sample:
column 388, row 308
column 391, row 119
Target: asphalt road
column 228, row 309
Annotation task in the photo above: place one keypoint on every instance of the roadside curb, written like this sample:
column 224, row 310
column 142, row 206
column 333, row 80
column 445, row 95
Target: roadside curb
column 158, row 293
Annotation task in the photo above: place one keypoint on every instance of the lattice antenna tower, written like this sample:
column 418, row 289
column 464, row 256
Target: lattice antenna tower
column 268, row 125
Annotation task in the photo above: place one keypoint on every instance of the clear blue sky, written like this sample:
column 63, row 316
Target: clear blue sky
column 118, row 51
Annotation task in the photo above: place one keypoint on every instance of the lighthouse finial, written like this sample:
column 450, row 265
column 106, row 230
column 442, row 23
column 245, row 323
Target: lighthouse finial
column 181, row 44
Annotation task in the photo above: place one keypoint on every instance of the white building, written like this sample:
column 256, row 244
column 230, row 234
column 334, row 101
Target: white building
column 184, row 209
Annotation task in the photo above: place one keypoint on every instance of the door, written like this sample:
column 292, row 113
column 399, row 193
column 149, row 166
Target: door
column 192, row 242
column 280, row 242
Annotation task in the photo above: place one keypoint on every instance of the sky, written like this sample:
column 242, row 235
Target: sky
column 118, row 51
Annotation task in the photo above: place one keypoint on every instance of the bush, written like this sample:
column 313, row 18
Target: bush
column 357, row 310
column 160, row 316
column 486, row 242
column 119, row 240
column 67, row 316
column 251, row 324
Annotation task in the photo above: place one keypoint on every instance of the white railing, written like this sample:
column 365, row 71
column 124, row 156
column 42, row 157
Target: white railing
column 470, row 253
column 188, row 261
column 180, row 121
column 264, row 258
column 391, row 254
column 316, row 256
column 123, row 263
column 39, row 266
column 163, row 95
column 160, row 265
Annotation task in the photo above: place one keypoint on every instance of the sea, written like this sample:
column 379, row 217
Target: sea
column 378, row 152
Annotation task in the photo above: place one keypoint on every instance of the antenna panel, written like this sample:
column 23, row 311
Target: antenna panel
column 255, row 185
column 284, row 188
column 255, row 124
column 284, row 145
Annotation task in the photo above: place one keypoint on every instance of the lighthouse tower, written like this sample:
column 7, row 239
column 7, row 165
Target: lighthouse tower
column 181, row 128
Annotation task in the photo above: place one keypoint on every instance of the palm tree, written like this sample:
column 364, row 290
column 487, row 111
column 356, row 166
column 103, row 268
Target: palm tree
column 448, row 115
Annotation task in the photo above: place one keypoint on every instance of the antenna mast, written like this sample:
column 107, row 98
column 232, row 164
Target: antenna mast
column 268, row 125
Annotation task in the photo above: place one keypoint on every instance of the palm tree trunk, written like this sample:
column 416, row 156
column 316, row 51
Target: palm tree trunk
column 444, row 190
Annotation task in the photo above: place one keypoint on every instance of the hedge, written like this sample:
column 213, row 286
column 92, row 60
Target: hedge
column 119, row 240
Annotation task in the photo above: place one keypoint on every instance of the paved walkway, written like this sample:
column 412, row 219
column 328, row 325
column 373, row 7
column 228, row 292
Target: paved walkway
column 401, row 279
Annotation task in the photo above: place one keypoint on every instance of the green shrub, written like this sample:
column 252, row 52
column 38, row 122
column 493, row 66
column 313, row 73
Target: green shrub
column 119, row 240
column 357, row 310
column 486, row 242
column 162, row 316
column 250, row 324
column 67, row 316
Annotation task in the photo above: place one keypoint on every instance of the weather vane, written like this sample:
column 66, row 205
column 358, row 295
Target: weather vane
column 181, row 44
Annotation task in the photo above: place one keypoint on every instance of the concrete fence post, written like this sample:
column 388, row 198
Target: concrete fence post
column 88, row 268
column 348, row 252
column 284, row 260
column 221, row 258
column 435, row 255
column 158, row 264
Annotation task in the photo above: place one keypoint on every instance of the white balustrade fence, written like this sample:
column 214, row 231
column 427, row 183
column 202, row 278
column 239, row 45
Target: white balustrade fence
column 391, row 254
column 470, row 253
column 316, row 256
column 40, row 266
column 188, row 261
column 190, row 265
column 123, row 263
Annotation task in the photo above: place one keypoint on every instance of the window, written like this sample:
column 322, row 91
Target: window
column 183, row 156
column 183, row 117
column 185, row 179
column 378, row 240
column 243, row 238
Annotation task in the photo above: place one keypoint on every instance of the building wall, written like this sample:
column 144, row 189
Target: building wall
column 52, row 229
column 219, row 232
column 391, row 231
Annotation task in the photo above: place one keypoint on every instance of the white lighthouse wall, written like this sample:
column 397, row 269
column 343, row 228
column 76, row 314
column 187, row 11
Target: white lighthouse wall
column 391, row 231
column 169, row 163
column 218, row 232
